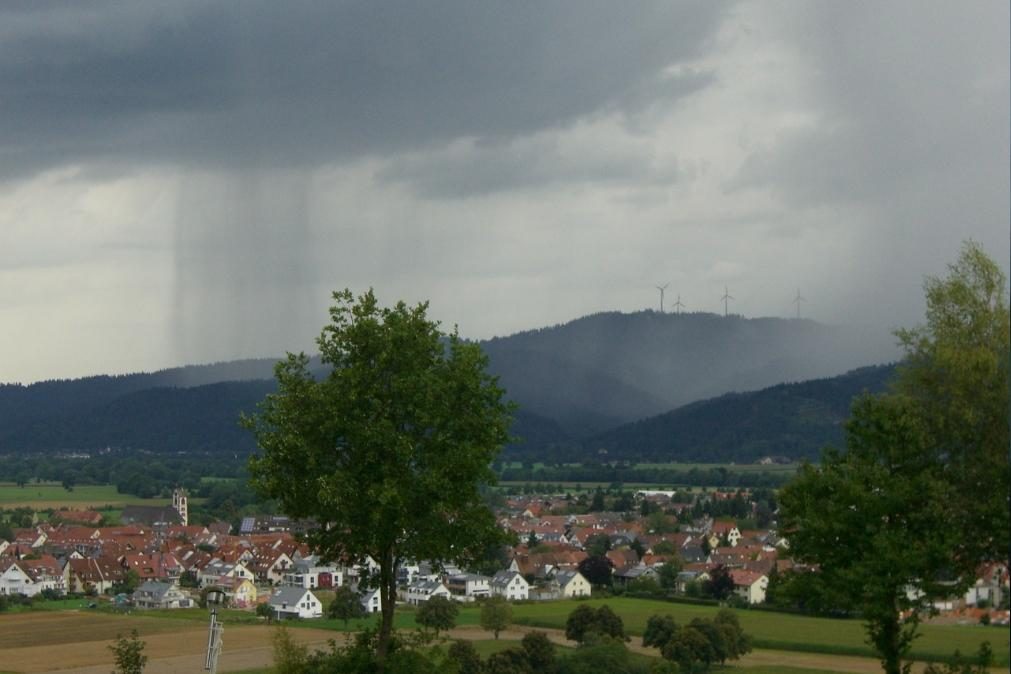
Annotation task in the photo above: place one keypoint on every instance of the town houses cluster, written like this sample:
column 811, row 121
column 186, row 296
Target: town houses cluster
column 156, row 559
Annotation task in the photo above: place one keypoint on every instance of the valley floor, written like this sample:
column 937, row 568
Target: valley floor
column 82, row 639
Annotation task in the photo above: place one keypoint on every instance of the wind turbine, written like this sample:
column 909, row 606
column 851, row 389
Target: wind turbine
column 661, row 289
column 797, row 300
column 726, row 298
column 678, row 306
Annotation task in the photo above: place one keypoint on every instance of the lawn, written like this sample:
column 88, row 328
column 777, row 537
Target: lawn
column 779, row 630
column 52, row 495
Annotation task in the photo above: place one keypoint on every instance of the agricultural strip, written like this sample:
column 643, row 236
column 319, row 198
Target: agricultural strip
column 780, row 631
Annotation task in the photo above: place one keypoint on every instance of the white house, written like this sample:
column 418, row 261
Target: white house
column 510, row 585
column 216, row 570
column 372, row 601
column 14, row 580
column 750, row 585
column 155, row 594
column 295, row 602
column 468, row 586
column 424, row 590
column 572, row 584
column 310, row 574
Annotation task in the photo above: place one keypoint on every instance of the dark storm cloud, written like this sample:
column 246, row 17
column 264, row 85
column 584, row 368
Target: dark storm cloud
column 299, row 83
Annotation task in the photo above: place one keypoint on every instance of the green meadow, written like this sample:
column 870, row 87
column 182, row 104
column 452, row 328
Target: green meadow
column 780, row 631
column 48, row 495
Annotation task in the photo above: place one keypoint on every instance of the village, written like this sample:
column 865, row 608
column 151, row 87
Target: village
column 661, row 545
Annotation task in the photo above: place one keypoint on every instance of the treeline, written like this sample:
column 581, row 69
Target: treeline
column 141, row 474
column 618, row 473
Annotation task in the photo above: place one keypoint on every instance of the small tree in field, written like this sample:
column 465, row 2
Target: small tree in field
column 128, row 654
column 437, row 614
column 496, row 614
column 346, row 605
column 264, row 611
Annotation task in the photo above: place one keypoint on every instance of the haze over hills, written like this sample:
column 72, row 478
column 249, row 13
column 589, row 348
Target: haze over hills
column 610, row 368
column 573, row 382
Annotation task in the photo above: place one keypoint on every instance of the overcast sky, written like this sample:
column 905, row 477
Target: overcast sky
column 186, row 182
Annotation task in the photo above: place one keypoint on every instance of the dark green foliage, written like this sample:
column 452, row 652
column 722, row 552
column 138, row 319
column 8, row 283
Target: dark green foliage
column 391, row 448
column 957, row 371
column 720, row 584
column 794, row 420
column 129, row 583
column 437, row 614
column 920, row 497
column 887, row 499
column 128, row 654
column 465, row 657
column 585, row 621
column 690, row 649
column 981, row 664
column 346, row 605
column 597, row 545
column 601, row 654
column 660, row 629
column 509, row 661
column 701, row 643
column 539, row 650
column 597, row 570
column 263, row 610
column 496, row 614
column 737, row 643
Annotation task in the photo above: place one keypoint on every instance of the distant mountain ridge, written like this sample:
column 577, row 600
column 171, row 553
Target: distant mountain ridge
column 572, row 382
column 610, row 368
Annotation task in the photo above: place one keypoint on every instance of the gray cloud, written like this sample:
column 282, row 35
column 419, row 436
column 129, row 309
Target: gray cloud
column 188, row 181
column 294, row 83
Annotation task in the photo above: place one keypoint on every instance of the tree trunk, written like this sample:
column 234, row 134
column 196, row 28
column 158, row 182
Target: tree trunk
column 886, row 634
column 387, row 599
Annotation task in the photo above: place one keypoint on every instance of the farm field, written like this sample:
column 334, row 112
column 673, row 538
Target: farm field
column 52, row 495
column 780, row 631
column 76, row 642
column 788, row 468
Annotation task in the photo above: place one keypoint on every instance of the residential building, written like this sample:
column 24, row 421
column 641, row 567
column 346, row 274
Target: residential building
column 295, row 602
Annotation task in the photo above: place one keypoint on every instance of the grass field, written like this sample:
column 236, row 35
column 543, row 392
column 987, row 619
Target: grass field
column 675, row 465
column 30, row 641
column 52, row 495
column 780, row 630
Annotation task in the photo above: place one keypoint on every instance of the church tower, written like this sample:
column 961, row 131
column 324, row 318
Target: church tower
column 179, row 503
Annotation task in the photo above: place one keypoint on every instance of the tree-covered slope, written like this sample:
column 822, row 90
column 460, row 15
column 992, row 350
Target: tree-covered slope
column 792, row 420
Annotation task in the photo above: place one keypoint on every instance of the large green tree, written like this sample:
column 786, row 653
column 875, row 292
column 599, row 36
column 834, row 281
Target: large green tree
column 920, row 497
column 390, row 448
column 956, row 370
column 876, row 521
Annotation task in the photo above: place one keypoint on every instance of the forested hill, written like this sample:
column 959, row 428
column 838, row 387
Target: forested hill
column 791, row 420
column 571, row 382
column 603, row 370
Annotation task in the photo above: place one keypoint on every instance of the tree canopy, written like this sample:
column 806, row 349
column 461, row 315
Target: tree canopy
column 390, row 448
column 920, row 497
